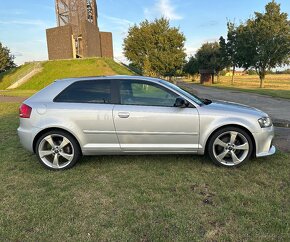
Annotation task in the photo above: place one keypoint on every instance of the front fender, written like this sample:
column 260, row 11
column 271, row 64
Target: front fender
column 209, row 125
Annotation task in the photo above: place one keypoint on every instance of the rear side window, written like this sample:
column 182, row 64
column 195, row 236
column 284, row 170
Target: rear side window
column 98, row 91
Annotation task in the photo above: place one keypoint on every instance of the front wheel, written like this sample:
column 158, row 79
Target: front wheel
column 57, row 150
column 230, row 146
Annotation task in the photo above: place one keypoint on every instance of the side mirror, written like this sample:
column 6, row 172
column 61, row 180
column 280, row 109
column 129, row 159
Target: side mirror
column 181, row 103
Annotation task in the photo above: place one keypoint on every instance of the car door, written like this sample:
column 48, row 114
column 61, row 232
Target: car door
column 87, row 106
column 147, row 121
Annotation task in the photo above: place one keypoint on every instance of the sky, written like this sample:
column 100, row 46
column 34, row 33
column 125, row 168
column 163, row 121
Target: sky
column 23, row 22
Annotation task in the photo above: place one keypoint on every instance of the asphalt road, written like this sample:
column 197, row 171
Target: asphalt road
column 6, row 99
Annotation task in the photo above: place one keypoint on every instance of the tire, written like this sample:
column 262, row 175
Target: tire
column 230, row 147
column 57, row 150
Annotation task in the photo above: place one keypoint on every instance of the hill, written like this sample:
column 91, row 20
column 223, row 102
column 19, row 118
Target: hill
column 13, row 75
column 52, row 70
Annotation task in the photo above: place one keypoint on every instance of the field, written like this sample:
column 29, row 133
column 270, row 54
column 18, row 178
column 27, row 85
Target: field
column 139, row 198
column 52, row 70
column 275, row 85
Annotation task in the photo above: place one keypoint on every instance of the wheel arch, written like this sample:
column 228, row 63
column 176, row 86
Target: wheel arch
column 236, row 126
column 53, row 129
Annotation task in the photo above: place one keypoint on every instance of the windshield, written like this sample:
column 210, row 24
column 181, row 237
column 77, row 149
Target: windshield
column 192, row 97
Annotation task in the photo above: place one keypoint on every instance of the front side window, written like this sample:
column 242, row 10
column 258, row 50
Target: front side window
column 192, row 97
column 145, row 94
column 98, row 91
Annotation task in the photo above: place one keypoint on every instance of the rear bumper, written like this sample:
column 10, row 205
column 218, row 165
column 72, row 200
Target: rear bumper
column 26, row 138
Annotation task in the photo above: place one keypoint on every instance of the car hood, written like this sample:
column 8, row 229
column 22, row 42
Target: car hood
column 231, row 107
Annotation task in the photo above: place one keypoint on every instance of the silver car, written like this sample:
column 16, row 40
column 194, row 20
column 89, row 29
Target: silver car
column 138, row 115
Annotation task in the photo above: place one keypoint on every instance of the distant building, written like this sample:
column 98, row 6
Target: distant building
column 206, row 75
column 77, row 34
column 237, row 73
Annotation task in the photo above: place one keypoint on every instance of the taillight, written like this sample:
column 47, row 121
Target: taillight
column 24, row 111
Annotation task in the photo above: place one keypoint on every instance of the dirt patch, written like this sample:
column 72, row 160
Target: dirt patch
column 8, row 99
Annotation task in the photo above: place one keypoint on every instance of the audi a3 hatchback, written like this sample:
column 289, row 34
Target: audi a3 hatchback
column 138, row 115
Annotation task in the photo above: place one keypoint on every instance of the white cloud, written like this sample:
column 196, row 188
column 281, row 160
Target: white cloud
column 17, row 54
column 190, row 50
column 119, row 26
column 192, row 47
column 119, row 57
column 24, row 22
column 210, row 40
column 162, row 8
column 119, row 21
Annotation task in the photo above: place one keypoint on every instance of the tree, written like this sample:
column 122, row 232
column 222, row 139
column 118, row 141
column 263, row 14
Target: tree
column 191, row 66
column 209, row 58
column 228, row 49
column 155, row 48
column 263, row 42
column 6, row 59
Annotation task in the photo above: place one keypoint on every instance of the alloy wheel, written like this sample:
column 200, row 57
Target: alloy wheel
column 56, row 151
column 231, row 148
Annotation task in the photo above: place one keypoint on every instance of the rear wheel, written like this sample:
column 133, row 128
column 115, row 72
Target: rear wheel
column 57, row 150
column 230, row 146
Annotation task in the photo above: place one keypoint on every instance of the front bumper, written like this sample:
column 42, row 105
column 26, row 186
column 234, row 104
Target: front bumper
column 272, row 151
column 263, row 140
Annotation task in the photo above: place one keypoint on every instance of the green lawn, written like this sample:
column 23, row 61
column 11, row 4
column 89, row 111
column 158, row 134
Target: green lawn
column 276, row 85
column 139, row 198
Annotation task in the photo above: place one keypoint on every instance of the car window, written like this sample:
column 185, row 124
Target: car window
column 98, row 91
column 146, row 94
column 191, row 96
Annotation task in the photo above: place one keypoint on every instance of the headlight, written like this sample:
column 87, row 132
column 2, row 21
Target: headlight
column 265, row 122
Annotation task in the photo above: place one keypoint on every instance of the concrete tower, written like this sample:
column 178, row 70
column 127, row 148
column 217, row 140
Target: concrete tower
column 77, row 34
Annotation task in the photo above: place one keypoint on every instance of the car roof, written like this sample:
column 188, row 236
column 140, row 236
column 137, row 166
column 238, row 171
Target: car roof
column 91, row 78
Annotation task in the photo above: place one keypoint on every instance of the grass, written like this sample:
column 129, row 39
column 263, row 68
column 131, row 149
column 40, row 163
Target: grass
column 17, row 93
column 275, row 85
column 53, row 70
column 117, row 68
column 13, row 75
column 139, row 198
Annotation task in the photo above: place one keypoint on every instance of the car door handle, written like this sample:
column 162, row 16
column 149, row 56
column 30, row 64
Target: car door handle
column 124, row 114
